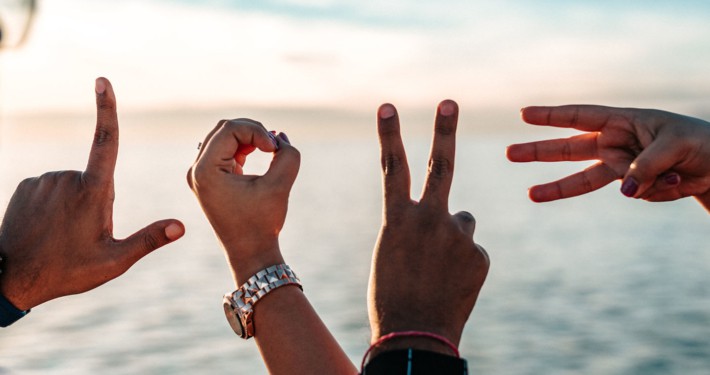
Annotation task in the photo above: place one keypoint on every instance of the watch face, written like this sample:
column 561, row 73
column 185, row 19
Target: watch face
column 232, row 316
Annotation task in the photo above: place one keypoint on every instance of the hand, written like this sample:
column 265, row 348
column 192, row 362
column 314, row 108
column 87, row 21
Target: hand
column 57, row 235
column 661, row 156
column 246, row 212
column 427, row 270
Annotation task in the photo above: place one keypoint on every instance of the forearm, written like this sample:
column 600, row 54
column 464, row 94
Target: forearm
column 292, row 338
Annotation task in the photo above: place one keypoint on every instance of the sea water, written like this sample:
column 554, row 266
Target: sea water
column 599, row 284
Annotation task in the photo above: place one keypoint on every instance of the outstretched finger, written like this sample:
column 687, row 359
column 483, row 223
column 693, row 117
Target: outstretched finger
column 393, row 158
column 146, row 240
column 590, row 179
column 104, row 149
column 443, row 151
column 582, row 117
column 577, row 148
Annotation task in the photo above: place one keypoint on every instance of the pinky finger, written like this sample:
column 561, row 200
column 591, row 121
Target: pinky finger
column 590, row 179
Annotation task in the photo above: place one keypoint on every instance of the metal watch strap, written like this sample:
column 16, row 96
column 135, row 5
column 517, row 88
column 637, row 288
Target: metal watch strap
column 258, row 286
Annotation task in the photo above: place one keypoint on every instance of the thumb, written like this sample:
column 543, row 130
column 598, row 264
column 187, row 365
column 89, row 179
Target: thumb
column 153, row 236
column 656, row 159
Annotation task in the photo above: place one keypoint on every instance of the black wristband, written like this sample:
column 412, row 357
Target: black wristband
column 415, row 362
column 9, row 313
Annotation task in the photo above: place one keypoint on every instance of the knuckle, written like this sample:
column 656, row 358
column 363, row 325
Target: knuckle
column 188, row 177
column 102, row 136
column 150, row 242
column 392, row 164
column 439, row 167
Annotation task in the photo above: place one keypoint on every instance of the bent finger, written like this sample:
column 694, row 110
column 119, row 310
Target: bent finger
column 285, row 164
column 443, row 151
column 659, row 157
column 104, row 149
column 588, row 180
column 224, row 145
column 393, row 158
column 466, row 222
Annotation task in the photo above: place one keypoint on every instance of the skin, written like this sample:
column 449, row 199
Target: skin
column 247, row 214
column 427, row 271
column 56, row 237
column 660, row 156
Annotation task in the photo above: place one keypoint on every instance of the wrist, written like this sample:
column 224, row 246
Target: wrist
column 248, row 257
column 410, row 342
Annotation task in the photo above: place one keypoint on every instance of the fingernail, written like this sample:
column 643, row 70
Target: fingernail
column 100, row 86
column 387, row 111
column 273, row 139
column 173, row 232
column 672, row 179
column 629, row 187
column 285, row 138
column 447, row 108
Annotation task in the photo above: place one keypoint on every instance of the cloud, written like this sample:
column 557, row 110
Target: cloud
column 484, row 54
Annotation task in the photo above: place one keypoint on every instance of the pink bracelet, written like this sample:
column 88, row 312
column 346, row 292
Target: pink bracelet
column 395, row 335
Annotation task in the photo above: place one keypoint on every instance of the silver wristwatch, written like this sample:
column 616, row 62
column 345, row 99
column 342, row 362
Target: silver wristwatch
column 239, row 305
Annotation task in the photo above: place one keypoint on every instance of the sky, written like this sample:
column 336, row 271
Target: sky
column 354, row 55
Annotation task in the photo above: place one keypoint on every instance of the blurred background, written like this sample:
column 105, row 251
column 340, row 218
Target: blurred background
column 598, row 284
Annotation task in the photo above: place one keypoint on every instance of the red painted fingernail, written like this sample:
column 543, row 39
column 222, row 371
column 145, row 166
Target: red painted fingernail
column 386, row 111
column 672, row 179
column 629, row 187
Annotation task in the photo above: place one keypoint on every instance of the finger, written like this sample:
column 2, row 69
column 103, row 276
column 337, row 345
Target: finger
column 485, row 255
column 466, row 222
column 577, row 148
column 148, row 239
column 441, row 159
column 202, row 146
column 581, row 117
column 659, row 157
column 208, row 137
column 393, row 158
column 667, row 181
column 285, row 164
column 224, row 145
column 104, row 150
column 653, row 195
column 590, row 179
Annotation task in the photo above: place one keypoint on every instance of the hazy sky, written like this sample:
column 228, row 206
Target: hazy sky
column 357, row 54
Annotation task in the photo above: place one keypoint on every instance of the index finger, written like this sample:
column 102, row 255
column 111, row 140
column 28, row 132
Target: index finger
column 104, row 149
column 393, row 158
column 223, row 145
column 443, row 151
column 581, row 117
